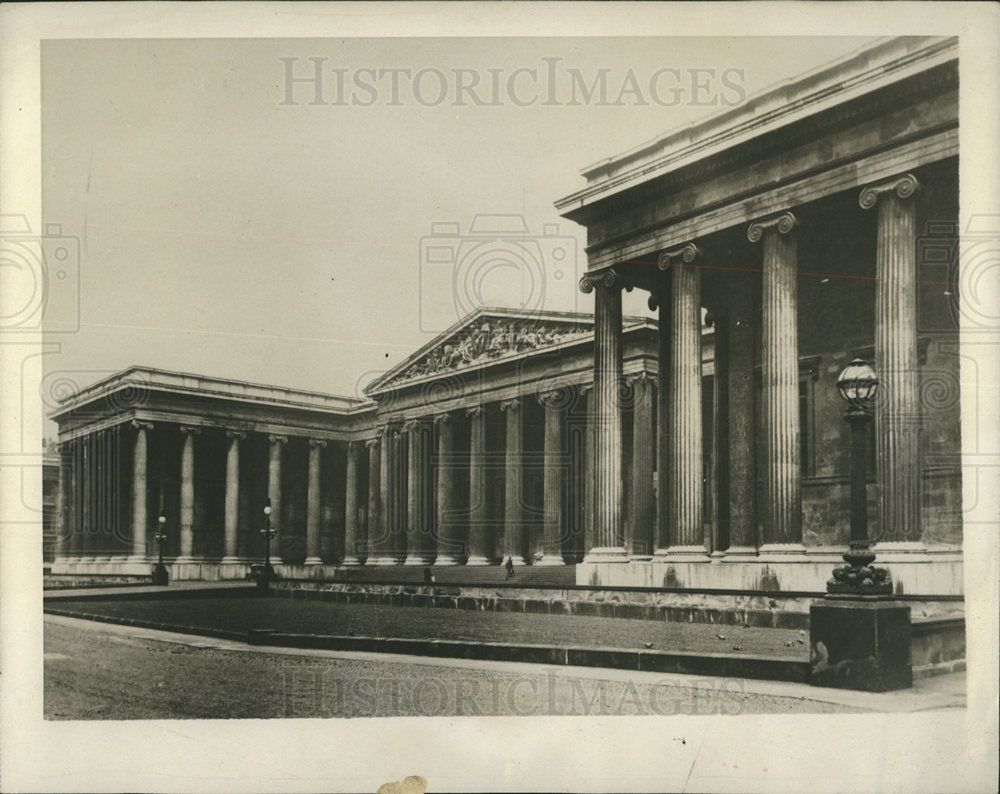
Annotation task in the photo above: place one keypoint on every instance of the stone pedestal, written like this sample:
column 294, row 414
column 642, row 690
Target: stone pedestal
column 860, row 644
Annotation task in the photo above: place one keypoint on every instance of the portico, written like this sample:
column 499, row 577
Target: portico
column 760, row 217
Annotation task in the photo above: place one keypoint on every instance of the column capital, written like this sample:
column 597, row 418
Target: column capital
column 608, row 279
column 189, row 430
column 682, row 255
column 317, row 442
column 510, row 405
column 235, row 434
column 373, row 443
column 553, row 398
column 583, row 388
column 475, row 411
column 903, row 185
column 640, row 377
column 442, row 418
column 277, row 439
column 138, row 424
column 783, row 223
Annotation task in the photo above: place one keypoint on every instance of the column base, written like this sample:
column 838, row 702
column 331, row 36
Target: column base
column 551, row 559
column 140, row 559
column 187, row 558
column 740, row 553
column 445, row 559
column 477, row 559
column 414, row 559
column 231, row 560
column 606, row 554
column 313, row 561
column 351, row 561
column 385, row 559
column 686, row 554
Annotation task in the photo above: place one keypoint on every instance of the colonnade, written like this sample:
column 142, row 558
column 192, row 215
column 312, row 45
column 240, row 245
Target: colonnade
column 680, row 433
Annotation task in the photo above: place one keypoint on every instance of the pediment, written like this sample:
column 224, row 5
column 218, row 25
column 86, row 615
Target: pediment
column 485, row 337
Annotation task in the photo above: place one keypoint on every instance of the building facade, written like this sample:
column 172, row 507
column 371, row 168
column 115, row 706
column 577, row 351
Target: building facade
column 706, row 449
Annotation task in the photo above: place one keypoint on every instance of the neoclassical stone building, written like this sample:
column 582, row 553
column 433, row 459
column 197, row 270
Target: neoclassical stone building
column 777, row 241
column 817, row 222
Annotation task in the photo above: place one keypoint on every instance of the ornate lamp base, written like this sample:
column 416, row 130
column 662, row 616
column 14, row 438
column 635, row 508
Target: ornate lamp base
column 859, row 577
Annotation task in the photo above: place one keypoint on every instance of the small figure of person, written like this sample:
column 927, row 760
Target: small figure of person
column 509, row 565
column 428, row 575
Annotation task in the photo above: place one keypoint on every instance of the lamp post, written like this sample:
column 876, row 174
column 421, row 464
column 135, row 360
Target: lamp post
column 263, row 582
column 858, row 385
column 160, row 576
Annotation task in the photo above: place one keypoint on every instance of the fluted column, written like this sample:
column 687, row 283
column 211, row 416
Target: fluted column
column 447, row 546
column 587, row 393
column 380, row 540
column 740, row 396
column 76, row 505
column 61, row 506
column 399, row 492
column 232, row 505
column 274, row 492
column 897, row 411
column 780, row 368
column 660, row 300
column 685, row 529
column 313, row 496
column 140, row 460
column 513, row 514
column 554, row 468
column 352, row 535
column 643, row 443
column 419, row 547
column 374, row 446
column 187, row 494
column 477, row 486
column 609, row 543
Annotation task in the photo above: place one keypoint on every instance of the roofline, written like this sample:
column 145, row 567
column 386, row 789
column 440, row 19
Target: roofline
column 880, row 63
column 105, row 386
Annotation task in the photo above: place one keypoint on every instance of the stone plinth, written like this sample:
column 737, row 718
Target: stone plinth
column 857, row 644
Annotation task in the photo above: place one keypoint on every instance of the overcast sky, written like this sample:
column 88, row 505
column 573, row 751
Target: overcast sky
column 236, row 225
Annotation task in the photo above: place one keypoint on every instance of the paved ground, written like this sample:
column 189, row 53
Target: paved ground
column 102, row 671
column 370, row 620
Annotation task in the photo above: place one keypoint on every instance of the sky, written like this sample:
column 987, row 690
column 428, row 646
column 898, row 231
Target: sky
column 236, row 224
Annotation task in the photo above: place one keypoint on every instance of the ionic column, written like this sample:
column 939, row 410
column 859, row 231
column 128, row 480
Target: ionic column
column 554, row 465
column 381, row 542
column 274, row 492
column 187, row 494
column 643, row 441
column 685, row 528
column 61, row 507
column 140, row 459
column 86, row 525
column 418, row 519
column 609, row 543
column 587, row 393
column 661, row 300
column 477, row 486
column 232, row 495
column 897, row 411
column 76, row 505
column 375, row 530
column 780, row 364
column 313, row 548
column 739, row 397
column 351, row 534
column 399, row 498
column 513, row 514
column 447, row 547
